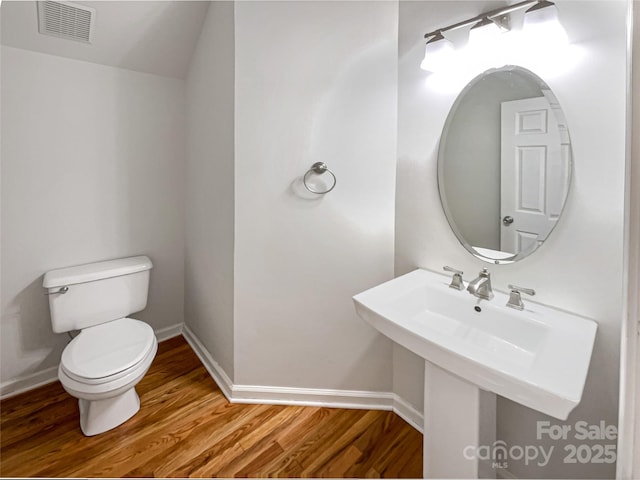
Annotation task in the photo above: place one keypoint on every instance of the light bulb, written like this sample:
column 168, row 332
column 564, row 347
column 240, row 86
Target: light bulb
column 485, row 36
column 437, row 55
column 486, row 49
column 542, row 26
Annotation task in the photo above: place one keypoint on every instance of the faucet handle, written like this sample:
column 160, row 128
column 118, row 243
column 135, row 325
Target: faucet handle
column 515, row 300
column 456, row 281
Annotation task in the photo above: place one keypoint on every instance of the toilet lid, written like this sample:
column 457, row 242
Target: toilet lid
column 108, row 349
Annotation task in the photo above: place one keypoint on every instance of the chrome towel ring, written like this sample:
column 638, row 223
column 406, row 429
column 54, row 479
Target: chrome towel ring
column 319, row 168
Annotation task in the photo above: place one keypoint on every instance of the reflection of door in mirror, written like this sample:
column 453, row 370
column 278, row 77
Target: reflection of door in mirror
column 534, row 171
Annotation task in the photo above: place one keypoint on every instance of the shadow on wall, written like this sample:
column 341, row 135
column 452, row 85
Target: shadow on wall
column 172, row 32
column 320, row 184
column 146, row 194
column 30, row 321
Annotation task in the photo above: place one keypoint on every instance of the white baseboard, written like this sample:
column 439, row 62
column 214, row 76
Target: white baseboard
column 169, row 332
column 313, row 397
column 316, row 397
column 24, row 383
column 408, row 413
column 214, row 369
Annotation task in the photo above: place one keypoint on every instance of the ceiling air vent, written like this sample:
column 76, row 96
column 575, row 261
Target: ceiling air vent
column 66, row 20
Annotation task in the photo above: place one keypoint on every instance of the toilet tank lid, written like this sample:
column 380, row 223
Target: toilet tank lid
column 96, row 271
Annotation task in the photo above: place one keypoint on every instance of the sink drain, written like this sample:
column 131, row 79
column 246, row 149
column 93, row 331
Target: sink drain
column 477, row 308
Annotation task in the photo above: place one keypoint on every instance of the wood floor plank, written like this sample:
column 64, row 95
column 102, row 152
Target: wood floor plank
column 321, row 443
column 201, row 449
column 338, row 442
column 51, row 420
column 186, row 428
column 339, row 464
column 319, row 416
column 213, row 460
column 379, row 455
column 407, row 459
column 14, row 409
column 258, row 439
column 295, row 428
column 257, row 463
column 283, row 466
column 387, row 454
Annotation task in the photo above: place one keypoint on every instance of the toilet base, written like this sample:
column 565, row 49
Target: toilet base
column 98, row 416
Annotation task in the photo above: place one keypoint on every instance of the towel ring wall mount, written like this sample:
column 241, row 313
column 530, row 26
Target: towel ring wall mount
column 319, row 168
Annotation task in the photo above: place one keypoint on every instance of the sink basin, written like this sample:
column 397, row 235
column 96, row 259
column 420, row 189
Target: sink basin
column 538, row 357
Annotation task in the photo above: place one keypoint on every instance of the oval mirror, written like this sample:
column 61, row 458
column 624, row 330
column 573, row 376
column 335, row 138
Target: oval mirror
column 504, row 164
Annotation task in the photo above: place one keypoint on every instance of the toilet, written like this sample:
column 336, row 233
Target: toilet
column 102, row 364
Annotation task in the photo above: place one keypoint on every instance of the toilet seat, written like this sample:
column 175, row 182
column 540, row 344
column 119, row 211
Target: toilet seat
column 109, row 351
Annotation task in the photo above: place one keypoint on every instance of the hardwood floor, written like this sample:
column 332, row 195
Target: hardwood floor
column 186, row 428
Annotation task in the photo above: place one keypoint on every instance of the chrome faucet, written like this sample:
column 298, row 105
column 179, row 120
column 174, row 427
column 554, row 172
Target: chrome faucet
column 515, row 301
column 456, row 280
column 481, row 286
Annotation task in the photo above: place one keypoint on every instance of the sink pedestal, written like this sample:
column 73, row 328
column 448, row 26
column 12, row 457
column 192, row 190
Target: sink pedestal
column 458, row 417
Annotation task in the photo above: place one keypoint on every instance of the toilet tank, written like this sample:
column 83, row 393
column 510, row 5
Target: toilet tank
column 97, row 292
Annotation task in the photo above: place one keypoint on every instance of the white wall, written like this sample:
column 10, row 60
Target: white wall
column 579, row 268
column 315, row 81
column 92, row 169
column 210, row 187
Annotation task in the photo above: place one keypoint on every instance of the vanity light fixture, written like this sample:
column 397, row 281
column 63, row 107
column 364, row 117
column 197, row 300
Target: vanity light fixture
column 536, row 18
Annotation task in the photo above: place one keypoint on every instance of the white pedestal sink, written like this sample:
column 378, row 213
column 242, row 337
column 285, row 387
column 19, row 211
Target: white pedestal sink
column 538, row 357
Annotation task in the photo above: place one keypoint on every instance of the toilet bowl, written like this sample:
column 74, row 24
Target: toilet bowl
column 102, row 365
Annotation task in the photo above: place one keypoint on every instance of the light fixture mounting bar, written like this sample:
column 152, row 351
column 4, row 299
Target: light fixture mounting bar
column 486, row 17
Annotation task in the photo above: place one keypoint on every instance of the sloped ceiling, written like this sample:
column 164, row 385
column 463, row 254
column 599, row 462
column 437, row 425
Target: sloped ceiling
column 155, row 37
